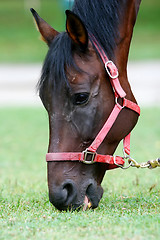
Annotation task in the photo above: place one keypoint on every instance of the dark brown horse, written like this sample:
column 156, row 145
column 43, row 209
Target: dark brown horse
column 78, row 96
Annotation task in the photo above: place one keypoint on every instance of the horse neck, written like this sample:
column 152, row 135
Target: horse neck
column 123, row 43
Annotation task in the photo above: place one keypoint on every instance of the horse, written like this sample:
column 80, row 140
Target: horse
column 78, row 90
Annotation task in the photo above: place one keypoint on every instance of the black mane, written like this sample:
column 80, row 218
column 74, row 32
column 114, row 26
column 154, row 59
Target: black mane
column 101, row 18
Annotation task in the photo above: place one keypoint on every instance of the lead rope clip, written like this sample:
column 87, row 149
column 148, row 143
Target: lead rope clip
column 154, row 163
column 150, row 164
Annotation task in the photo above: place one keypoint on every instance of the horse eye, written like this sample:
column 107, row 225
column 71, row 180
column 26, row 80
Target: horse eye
column 80, row 98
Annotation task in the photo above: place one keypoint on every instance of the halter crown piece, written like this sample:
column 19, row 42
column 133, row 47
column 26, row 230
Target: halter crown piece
column 90, row 155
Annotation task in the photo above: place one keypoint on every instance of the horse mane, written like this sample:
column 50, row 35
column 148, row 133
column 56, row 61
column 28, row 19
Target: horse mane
column 101, row 18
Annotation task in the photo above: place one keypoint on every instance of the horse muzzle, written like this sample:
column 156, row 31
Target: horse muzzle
column 69, row 196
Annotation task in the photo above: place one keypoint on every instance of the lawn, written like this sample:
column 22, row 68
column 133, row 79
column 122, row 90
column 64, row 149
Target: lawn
column 129, row 210
column 19, row 39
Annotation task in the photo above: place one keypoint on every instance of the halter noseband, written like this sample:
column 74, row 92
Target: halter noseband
column 90, row 155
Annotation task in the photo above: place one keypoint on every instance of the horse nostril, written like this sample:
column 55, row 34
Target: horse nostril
column 64, row 196
column 71, row 190
column 94, row 194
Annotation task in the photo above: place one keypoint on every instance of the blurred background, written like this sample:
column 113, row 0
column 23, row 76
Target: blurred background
column 22, row 53
column 18, row 38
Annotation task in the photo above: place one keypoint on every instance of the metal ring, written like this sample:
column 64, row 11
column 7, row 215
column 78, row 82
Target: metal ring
column 116, row 101
column 114, row 159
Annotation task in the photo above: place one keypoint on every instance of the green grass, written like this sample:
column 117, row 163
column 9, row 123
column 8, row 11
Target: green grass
column 19, row 39
column 129, row 209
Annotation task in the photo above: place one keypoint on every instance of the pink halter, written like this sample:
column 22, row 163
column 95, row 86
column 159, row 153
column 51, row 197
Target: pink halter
column 90, row 155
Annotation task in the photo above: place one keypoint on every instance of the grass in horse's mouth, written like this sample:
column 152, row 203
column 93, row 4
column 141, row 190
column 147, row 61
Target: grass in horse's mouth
column 87, row 203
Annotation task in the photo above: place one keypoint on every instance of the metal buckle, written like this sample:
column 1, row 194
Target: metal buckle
column 90, row 155
column 107, row 69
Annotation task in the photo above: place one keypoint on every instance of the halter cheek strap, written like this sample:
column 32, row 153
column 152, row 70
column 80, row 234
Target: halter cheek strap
column 90, row 155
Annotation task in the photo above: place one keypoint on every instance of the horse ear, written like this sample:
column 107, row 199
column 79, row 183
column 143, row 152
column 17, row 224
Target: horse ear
column 76, row 30
column 47, row 32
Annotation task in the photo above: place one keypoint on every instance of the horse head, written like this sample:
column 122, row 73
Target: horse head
column 78, row 96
